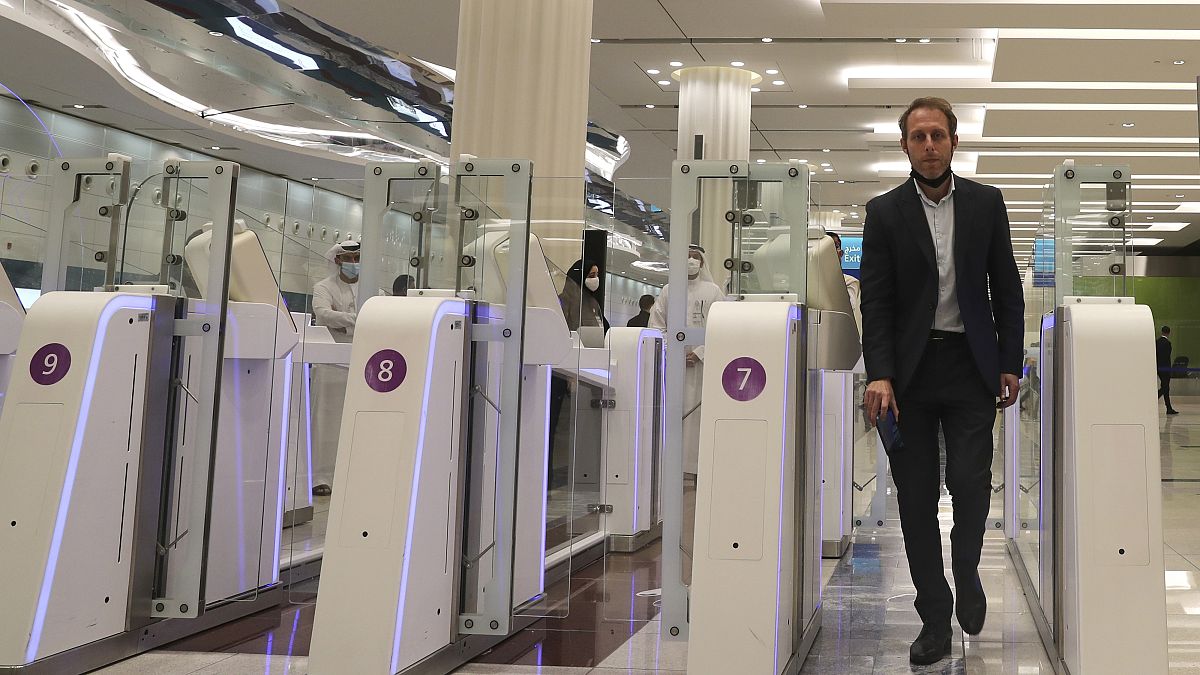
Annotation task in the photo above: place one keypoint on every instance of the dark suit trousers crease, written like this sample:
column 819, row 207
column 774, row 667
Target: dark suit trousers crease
column 1164, row 388
column 946, row 390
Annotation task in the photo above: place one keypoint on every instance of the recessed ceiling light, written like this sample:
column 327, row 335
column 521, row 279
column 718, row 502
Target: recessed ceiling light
column 754, row 90
column 901, row 40
column 802, row 106
column 825, row 150
column 313, row 178
column 214, row 147
column 355, row 98
column 828, row 170
column 835, row 210
column 1179, row 196
column 653, row 71
column 736, row 64
column 1149, row 217
column 772, row 71
column 1180, row 62
column 778, row 83
column 841, row 182
column 1127, row 124
column 768, row 39
column 650, row 105
column 802, row 161
column 665, row 83
column 761, row 161
column 924, row 41
column 215, row 33
column 854, row 205
column 676, row 64
column 79, row 106
column 595, row 40
column 826, row 164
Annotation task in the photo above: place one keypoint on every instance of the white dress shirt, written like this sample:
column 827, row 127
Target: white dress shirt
column 941, row 227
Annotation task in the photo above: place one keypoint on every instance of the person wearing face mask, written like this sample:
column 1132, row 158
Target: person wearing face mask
column 334, row 301
column 335, row 306
column 583, row 308
column 702, row 291
column 581, row 301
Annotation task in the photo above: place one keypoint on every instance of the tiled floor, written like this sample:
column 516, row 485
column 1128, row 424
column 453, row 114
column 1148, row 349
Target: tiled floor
column 867, row 623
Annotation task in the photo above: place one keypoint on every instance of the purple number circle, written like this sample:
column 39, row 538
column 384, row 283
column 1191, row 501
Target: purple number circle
column 50, row 363
column 744, row 379
column 385, row 370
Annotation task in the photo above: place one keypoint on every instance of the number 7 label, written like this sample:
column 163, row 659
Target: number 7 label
column 744, row 378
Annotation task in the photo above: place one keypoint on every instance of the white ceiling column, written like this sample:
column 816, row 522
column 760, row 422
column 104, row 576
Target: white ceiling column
column 521, row 92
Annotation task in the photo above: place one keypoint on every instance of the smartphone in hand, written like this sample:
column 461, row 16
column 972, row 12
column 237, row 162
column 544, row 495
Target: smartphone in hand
column 889, row 432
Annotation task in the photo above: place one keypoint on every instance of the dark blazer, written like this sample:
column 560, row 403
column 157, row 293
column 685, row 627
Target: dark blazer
column 900, row 283
column 1162, row 348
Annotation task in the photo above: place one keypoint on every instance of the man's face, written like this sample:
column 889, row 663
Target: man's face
column 928, row 144
column 348, row 257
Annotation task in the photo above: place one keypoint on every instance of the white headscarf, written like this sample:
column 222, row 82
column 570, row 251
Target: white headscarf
column 705, row 272
column 340, row 248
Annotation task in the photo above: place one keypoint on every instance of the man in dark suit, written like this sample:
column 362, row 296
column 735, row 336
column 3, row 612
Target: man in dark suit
column 1163, row 349
column 943, row 322
column 642, row 319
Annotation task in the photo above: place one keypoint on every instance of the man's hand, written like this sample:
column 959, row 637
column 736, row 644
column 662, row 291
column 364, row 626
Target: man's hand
column 879, row 399
column 1009, row 386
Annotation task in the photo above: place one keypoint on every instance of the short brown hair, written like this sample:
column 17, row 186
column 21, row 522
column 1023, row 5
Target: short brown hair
column 933, row 103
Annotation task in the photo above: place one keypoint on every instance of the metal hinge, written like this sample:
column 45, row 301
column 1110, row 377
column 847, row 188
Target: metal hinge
column 599, row 508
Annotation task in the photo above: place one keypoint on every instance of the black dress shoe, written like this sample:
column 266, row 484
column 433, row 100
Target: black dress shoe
column 971, row 605
column 931, row 646
column 1172, row 412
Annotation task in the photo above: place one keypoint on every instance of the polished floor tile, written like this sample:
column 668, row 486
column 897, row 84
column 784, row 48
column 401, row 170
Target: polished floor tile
column 156, row 663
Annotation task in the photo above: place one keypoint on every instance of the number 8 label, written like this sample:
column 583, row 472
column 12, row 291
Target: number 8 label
column 385, row 370
column 744, row 378
column 50, row 363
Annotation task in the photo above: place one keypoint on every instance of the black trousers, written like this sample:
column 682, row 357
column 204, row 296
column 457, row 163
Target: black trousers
column 1164, row 388
column 947, row 392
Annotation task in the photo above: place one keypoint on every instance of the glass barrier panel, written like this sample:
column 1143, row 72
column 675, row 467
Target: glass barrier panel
column 167, row 243
column 488, row 212
column 319, row 225
column 637, row 271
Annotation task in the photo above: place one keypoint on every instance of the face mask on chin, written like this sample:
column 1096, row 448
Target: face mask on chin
column 932, row 182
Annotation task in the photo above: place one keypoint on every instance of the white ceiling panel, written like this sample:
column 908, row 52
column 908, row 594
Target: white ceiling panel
column 1109, row 123
column 1050, row 60
column 632, row 19
column 761, row 18
column 890, row 17
column 1189, row 164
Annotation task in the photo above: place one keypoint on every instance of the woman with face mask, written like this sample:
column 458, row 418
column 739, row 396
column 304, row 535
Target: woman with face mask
column 581, row 301
column 702, row 291
column 335, row 306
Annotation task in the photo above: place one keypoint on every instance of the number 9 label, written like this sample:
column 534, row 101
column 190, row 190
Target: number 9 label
column 744, row 379
column 50, row 363
column 385, row 370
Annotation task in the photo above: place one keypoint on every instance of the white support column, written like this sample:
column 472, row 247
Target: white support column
column 522, row 91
